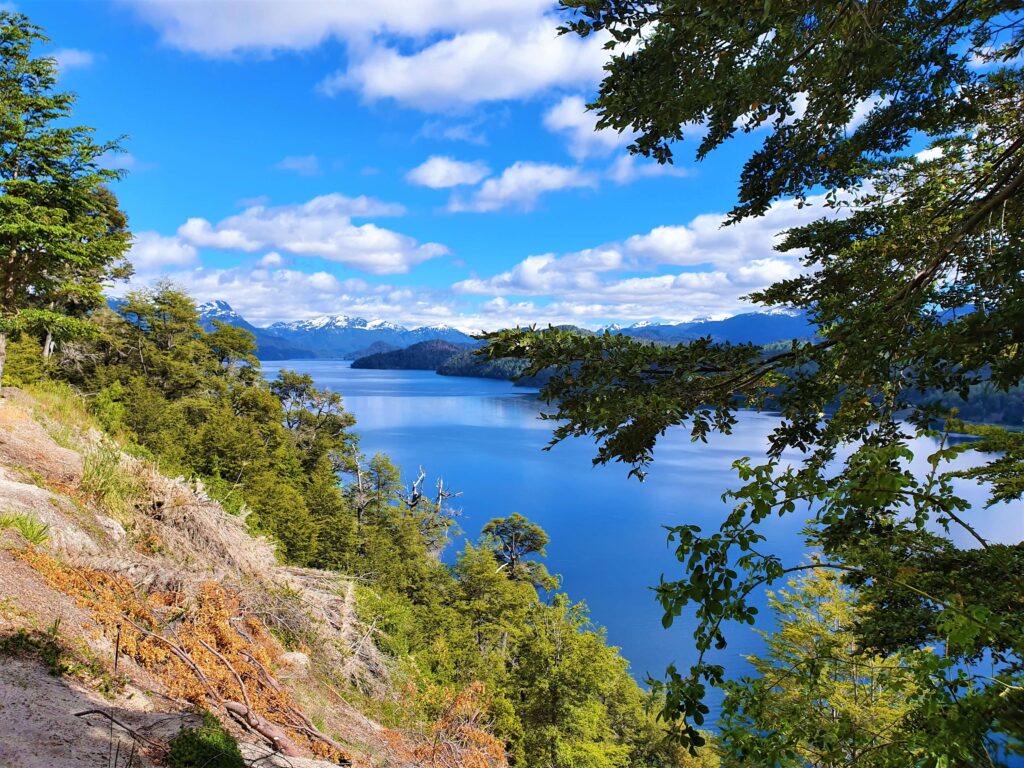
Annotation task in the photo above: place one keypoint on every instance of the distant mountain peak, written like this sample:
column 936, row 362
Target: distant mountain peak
column 216, row 307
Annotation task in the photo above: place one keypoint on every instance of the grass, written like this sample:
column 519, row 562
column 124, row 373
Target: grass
column 108, row 482
column 44, row 645
column 29, row 527
column 59, row 660
column 62, row 410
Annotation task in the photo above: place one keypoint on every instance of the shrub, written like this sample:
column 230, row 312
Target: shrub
column 208, row 746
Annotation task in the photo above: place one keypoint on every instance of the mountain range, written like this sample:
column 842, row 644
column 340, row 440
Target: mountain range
column 331, row 336
column 350, row 338
column 762, row 327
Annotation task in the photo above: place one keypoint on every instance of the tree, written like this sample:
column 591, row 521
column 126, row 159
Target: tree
column 513, row 539
column 62, row 233
column 815, row 700
column 914, row 277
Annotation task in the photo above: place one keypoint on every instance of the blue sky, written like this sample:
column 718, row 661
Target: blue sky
column 419, row 161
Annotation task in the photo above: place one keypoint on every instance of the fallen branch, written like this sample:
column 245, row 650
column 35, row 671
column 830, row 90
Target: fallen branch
column 181, row 655
column 275, row 734
column 127, row 729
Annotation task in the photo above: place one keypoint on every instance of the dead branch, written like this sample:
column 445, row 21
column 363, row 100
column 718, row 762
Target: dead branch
column 275, row 734
column 114, row 721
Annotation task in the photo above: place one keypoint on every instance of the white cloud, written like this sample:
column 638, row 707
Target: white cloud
column 230, row 27
column 72, row 58
column 570, row 118
column 474, row 67
column 124, row 161
column 440, row 172
column 520, row 185
column 863, row 109
column 272, row 259
column 304, row 165
column 151, row 252
column 706, row 270
column 628, row 168
column 931, row 153
column 322, row 227
column 430, row 54
column 469, row 131
column 265, row 295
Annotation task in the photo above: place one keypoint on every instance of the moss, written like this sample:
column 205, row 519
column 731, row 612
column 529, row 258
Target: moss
column 208, row 746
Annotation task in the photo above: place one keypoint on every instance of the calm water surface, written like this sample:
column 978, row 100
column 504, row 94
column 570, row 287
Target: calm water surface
column 607, row 540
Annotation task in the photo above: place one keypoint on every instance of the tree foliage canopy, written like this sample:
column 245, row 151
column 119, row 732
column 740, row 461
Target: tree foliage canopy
column 62, row 233
column 914, row 275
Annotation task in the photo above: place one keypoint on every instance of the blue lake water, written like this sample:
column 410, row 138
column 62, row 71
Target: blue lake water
column 607, row 541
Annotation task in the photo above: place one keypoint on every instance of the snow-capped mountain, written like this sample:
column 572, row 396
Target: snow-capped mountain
column 222, row 311
column 329, row 336
column 346, row 337
column 761, row 327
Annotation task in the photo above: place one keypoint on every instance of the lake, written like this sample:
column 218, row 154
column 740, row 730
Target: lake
column 607, row 541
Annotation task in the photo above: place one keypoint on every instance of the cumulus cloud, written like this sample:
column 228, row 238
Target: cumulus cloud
column 72, row 58
column 705, row 269
column 151, row 252
column 430, row 54
column 322, row 227
column 230, row 27
column 474, row 67
column 571, row 118
column 440, row 172
column 264, row 294
column 272, row 259
column 520, row 185
column 304, row 165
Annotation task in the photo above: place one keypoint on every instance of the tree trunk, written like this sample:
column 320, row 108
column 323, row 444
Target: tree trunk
column 3, row 355
column 48, row 346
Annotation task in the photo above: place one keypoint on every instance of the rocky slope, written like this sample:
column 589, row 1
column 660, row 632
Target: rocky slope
column 130, row 601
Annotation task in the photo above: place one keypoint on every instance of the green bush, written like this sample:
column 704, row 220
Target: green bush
column 208, row 746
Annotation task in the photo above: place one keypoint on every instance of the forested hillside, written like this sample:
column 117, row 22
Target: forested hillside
column 284, row 457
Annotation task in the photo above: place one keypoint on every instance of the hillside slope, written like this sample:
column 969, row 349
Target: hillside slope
column 129, row 601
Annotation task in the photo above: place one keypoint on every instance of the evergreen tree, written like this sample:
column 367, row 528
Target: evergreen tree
column 62, row 234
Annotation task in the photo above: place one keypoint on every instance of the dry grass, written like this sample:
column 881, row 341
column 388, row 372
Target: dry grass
column 111, row 482
column 63, row 412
